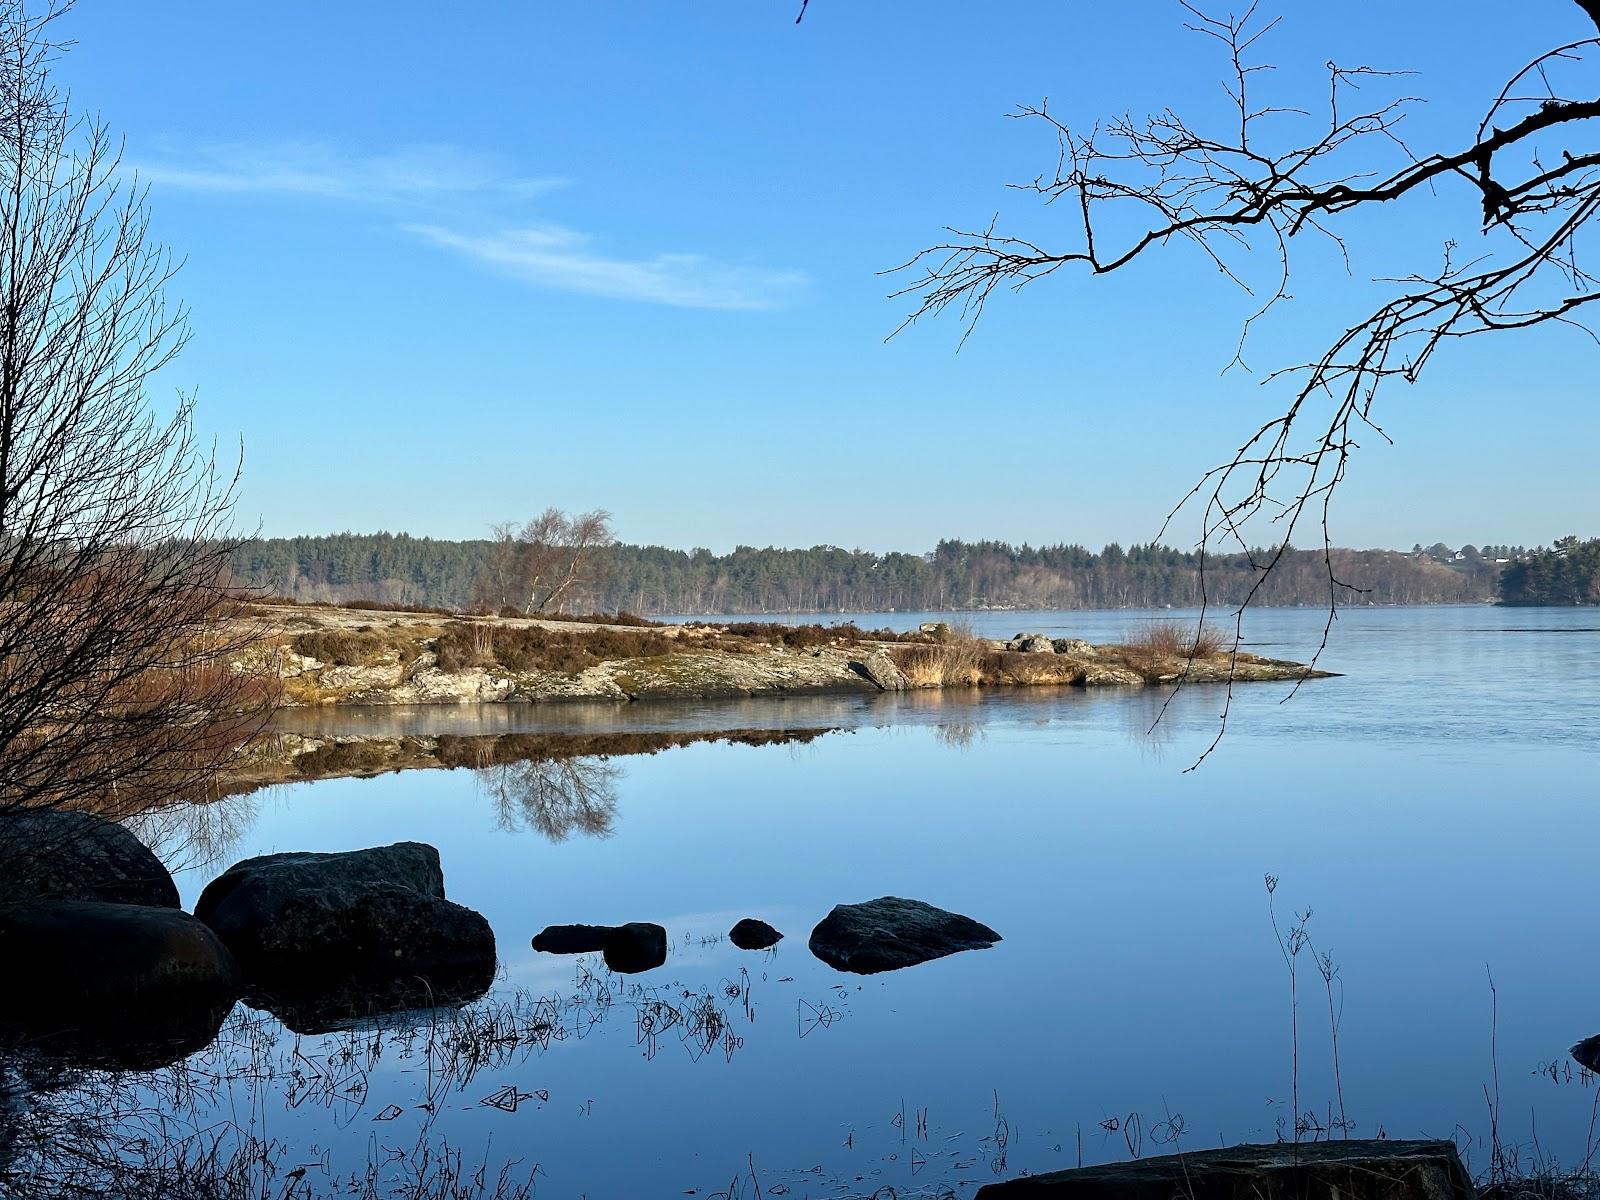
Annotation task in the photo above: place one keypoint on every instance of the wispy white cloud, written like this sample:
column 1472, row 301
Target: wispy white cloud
column 413, row 175
column 562, row 258
column 474, row 206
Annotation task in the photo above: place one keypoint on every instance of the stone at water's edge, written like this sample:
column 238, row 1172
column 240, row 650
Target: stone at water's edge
column 323, row 939
column 115, row 985
column 751, row 934
column 628, row 949
column 324, row 961
column 572, row 939
column 889, row 933
column 1337, row 1170
column 1587, row 1053
column 48, row 854
column 880, row 669
column 260, row 883
column 636, row 946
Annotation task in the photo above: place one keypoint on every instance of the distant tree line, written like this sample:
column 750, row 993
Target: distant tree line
column 1567, row 573
column 399, row 568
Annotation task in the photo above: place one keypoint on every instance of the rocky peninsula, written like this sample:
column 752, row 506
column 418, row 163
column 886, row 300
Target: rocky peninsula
column 366, row 656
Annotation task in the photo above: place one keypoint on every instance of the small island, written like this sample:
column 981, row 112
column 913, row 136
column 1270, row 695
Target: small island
column 326, row 655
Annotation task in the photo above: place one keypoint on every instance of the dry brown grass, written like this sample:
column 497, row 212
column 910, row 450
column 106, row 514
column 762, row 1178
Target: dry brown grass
column 464, row 644
column 1032, row 670
column 959, row 659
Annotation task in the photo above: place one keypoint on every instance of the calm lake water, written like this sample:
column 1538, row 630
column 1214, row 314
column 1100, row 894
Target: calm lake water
column 1434, row 809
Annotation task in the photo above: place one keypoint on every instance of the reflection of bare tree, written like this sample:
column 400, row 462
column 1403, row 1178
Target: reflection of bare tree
column 959, row 735
column 199, row 836
column 555, row 796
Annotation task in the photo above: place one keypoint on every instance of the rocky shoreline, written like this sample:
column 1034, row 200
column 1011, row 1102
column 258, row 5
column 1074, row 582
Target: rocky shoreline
column 360, row 657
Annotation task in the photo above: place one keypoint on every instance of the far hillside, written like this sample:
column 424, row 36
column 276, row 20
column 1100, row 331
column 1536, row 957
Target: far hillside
column 401, row 569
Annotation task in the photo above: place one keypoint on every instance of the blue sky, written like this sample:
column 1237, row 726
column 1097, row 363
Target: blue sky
column 447, row 268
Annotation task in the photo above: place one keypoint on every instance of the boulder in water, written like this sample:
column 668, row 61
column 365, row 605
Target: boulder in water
column 327, row 938
column 636, row 946
column 1332, row 1170
column 572, row 939
column 117, row 985
column 628, row 949
column 751, row 934
column 889, row 933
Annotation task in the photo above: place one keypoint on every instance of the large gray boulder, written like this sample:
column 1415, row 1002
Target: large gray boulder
column 1074, row 646
column 49, row 854
column 882, row 671
column 261, row 883
column 1031, row 643
column 889, row 933
column 326, row 939
column 1336, row 1170
column 117, row 985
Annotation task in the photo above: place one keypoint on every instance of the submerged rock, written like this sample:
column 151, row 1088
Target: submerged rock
column 49, row 854
column 751, row 934
column 1336, row 1170
column 115, row 985
column 890, row 933
column 636, row 946
column 323, row 939
column 572, row 939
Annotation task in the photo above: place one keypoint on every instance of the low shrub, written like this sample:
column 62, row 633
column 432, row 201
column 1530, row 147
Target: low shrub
column 464, row 644
column 1159, row 644
column 362, row 647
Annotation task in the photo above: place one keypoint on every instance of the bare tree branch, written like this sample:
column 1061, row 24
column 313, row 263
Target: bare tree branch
column 119, row 635
column 1253, row 188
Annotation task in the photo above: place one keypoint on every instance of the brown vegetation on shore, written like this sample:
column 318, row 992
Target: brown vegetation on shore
column 328, row 655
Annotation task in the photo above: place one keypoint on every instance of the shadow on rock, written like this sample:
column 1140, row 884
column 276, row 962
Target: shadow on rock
column 123, row 986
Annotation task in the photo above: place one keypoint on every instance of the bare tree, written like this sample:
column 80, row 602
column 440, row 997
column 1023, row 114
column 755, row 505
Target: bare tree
column 118, row 635
column 1524, row 181
column 535, row 567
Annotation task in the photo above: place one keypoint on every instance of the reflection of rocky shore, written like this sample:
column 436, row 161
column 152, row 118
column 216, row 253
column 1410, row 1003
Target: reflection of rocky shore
column 288, row 757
